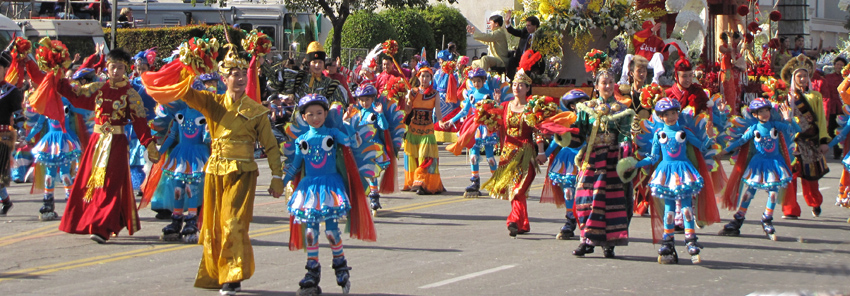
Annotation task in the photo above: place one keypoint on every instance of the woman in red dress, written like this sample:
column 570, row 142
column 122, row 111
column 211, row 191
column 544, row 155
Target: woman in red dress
column 102, row 200
column 522, row 153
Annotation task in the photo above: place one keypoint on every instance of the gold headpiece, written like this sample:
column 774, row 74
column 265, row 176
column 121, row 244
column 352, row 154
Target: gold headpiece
column 231, row 61
column 522, row 77
column 799, row 62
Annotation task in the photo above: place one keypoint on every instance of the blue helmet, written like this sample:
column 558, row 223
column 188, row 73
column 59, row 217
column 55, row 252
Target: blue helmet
column 477, row 72
column 83, row 73
column 366, row 90
column 209, row 76
column 757, row 104
column 311, row 99
column 574, row 95
column 665, row 104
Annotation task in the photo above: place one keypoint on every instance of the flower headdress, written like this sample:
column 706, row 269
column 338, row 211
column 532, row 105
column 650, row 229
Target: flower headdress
column 231, row 61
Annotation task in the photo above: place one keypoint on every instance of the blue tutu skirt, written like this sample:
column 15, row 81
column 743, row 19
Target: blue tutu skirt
column 485, row 138
column 767, row 173
column 57, row 148
column 186, row 163
column 563, row 171
column 319, row 198
column 675, row 179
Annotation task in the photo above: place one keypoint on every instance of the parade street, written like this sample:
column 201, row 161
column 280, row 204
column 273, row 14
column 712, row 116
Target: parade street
column 437, row 245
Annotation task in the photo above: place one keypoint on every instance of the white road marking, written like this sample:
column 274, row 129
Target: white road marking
column 468, row 276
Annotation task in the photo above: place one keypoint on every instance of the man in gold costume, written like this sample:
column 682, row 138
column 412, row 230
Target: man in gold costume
column 236, row 123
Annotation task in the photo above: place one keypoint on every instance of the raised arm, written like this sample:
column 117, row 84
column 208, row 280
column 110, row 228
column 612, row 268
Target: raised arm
column 748, row 135
column 652, row 158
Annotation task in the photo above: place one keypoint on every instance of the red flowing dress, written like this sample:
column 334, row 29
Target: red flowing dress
column 102, row 200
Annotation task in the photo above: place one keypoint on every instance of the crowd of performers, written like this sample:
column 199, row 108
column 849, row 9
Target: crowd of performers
column 182, row 134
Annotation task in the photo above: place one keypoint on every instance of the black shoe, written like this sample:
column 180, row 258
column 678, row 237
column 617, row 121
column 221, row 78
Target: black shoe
column 608, row 252
column 163, row 214
column 6, row 206
column 583, row 249
column 513, row 230
column 816, row 211
column 230, row 288
column 97, row 238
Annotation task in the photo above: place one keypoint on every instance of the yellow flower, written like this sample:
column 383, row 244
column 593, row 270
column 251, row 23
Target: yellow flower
column 594, row 5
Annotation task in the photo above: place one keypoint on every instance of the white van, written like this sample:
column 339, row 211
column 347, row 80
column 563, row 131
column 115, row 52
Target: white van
column 8, row 29
column 80, row 36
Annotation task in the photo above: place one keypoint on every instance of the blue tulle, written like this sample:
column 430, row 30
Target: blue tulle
column 675, row 179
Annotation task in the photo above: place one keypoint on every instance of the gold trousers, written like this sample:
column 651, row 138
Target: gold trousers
column 228, row 209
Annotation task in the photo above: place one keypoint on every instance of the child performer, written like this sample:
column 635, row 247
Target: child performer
column 181, row 185
column 385, row 119
column 322, row 194
column 483, row 139
column 675, row 178
column 55, row 155
column 766, row 169
column 562, row 168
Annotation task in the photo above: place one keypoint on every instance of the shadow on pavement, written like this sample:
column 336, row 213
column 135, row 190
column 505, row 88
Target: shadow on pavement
column 265, row 243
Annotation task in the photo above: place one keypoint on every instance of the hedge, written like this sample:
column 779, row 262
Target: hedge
column 448, row 21
column 413, row 31
column 362, row 29
column 166, row 39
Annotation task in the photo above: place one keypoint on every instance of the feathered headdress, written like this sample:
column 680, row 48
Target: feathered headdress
column 370, row 63
column 800, row 62
column 528, row 59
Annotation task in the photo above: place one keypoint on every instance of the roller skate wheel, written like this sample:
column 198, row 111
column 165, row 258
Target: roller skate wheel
column 471, row 194
column 170, row 237
column 50, row 216
column 374, row 213
column 560, row 236
column 848, row 220
column 191, row 238
column 695, row 259
column 308, row 291
column 772, row 237
column 346, row 288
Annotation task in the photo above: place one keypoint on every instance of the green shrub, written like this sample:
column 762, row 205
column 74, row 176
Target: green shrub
column 448, row 21
column 362, row 29
column 413, row 31
column 167, row 39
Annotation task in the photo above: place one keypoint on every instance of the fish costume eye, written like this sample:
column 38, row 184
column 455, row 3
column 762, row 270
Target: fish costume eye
column 680, row 136
column 757, row 136
column 327, row 143
column 304, row 147
column 662, row 138
column 774, row 134
column 200, row 121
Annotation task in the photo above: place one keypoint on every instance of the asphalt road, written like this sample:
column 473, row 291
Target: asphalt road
column 436, row 245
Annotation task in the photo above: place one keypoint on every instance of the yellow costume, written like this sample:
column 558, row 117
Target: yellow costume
column 231, row 179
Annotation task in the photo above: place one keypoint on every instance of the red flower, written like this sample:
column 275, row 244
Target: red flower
column 773, row 43
column 775, row 16
column 754, row 27
column 743, row 10
column 749, row 38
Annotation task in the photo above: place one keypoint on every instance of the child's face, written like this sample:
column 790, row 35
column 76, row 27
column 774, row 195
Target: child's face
column 477, row 82
column 670, row 117
column 365, row 101
column 315, row 115
column 762, row 114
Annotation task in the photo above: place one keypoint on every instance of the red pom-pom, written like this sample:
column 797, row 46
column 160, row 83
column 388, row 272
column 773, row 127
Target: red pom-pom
column 773, row 43
column 749, row 38
column 754, row 27
column 743, row 10
column 775, row 16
